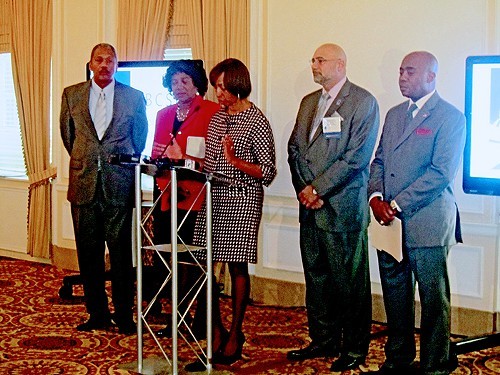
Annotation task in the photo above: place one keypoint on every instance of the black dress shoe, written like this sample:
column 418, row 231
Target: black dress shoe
column 452, row 362
column 346, row 362
column 127, row 328
column 312, row 351
column 125, row 324
column 94, row 323
column 196, row 366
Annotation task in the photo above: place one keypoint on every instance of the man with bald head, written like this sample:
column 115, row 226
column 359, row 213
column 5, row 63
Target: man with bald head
column 329, row 153
column 412, row 178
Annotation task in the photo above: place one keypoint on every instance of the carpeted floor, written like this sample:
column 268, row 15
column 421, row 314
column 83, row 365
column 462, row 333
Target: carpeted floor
column 38, row 336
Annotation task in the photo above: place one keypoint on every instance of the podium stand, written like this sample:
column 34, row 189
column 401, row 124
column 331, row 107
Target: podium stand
column 169, row 365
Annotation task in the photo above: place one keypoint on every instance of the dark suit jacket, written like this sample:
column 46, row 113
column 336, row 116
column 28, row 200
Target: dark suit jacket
column 126, row 134
column 337, row 168
column 417, row 168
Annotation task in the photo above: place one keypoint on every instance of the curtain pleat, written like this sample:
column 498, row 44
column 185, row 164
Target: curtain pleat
column 31, row 46
column 4, row 28
column 237, row 29
column 143, row 27
column 195, row 28
column 218, row 29
column 179, row 34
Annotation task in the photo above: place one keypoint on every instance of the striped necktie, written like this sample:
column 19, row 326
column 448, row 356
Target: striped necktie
column 100, row 115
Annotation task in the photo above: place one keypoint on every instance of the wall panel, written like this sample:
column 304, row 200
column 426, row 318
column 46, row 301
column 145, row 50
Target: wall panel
column 13, row 204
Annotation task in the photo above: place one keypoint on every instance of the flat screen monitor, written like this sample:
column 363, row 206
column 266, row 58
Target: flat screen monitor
column 482, row 112
column 147, row 76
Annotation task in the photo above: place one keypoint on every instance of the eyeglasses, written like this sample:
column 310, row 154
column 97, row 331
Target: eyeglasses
column 320, row 60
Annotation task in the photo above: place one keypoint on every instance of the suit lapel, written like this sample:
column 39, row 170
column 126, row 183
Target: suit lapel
column 422, row 115
column 312, row 112
column 83, row 107
column 336, row 104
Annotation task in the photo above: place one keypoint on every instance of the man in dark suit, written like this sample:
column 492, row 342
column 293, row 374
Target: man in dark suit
column 412, row 177
column 329, row 153
column 99, row 118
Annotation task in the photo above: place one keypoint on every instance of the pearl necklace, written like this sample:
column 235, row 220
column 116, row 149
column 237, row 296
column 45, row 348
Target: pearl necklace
column 181, row 115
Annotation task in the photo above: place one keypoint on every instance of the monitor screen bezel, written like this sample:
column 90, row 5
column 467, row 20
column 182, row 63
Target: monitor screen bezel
column 475, row 184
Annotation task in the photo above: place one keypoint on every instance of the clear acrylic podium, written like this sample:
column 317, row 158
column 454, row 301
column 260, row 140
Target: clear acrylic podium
column 169, row 364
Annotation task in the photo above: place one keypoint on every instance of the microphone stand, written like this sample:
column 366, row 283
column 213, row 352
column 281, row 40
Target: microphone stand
column 152, row 167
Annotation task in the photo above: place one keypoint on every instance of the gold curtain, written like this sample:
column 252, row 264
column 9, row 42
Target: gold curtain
column 238, row 29
column 143, row 28
column 31, row 46
column 218, row 29
column 178, row 36
column 4, row 28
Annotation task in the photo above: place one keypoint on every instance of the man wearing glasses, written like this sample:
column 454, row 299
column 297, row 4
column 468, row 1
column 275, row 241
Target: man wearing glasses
column 329, row 153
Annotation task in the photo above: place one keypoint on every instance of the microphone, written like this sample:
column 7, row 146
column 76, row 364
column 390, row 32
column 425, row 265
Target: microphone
column 167, row 163
column 124, row 159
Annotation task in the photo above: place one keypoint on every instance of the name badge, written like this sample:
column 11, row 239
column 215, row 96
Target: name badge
column 332, row 126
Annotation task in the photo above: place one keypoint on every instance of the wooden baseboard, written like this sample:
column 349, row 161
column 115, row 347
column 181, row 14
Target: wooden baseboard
column 277, row 292
column 465, row 322
column 23, row 256
column 64, row 258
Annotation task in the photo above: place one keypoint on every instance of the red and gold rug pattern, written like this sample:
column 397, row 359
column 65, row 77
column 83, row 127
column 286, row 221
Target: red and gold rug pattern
column 38, row 335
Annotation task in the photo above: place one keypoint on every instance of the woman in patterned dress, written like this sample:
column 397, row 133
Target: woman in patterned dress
column 240, row 146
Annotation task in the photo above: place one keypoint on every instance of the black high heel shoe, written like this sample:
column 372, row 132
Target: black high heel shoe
column 227, row 360
column 199, row 366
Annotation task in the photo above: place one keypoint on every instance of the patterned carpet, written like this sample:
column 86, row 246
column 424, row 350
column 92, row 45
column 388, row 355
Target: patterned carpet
column 38, row 336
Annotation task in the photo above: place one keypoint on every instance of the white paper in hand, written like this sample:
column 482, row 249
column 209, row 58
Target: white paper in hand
column 388, row 238
column 195, row 147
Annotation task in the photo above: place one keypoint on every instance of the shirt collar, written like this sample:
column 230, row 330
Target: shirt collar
column 107, row 90
column 421, row 102
column 334, row 91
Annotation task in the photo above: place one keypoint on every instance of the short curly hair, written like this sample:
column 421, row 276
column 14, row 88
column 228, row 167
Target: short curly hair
column 193, row 68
